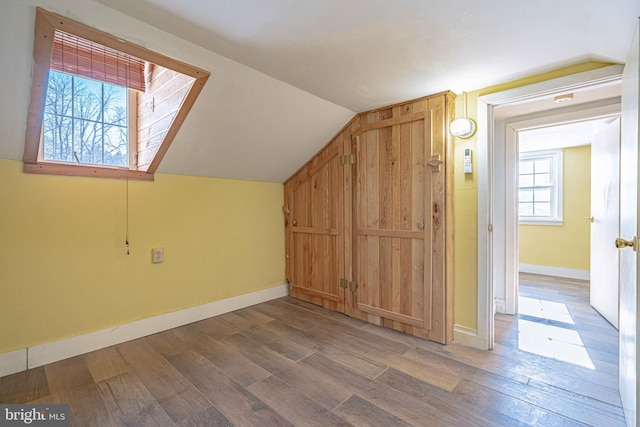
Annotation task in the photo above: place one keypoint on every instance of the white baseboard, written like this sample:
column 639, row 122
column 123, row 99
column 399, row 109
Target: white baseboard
column 13, row 361
column 500, row 306
column 569, row 273
column 39, row 355
column 469, row 337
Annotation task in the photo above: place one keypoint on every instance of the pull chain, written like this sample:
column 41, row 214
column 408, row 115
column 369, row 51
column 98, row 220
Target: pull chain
column 126, row 237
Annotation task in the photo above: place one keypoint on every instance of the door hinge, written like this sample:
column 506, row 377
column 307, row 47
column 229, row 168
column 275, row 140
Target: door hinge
column 348, row 159
column 352, row 286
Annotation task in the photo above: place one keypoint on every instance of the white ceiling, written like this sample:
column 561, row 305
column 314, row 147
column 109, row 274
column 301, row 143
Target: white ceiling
column 362, row 54
column 288, row 74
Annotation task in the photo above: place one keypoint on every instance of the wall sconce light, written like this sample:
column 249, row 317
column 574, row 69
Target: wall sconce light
column 463, row 127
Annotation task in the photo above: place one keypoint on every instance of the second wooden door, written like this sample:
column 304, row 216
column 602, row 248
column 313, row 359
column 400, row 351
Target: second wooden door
column 392, row 223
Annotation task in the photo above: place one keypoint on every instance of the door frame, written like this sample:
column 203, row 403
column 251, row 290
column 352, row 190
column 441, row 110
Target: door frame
column 491, row 267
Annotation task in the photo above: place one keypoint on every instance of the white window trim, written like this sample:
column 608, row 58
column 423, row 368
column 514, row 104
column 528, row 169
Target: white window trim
column 557, row 180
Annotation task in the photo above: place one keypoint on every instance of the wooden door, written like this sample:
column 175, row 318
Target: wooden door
column 629, row 227
column 314, row 211
column 369, row 220
column 605, row 211
column 399, row 224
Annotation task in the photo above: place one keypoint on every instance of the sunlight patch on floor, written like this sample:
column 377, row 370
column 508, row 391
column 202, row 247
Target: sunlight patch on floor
column 544, row 310
column 553, row 341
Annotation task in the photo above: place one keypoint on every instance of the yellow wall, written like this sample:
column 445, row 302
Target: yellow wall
column 64, row 270
column 465, row 199
column 565, row 246
column 465, row 228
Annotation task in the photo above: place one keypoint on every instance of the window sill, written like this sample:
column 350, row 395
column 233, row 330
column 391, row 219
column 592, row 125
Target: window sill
column 549, row 222
column 86, row 171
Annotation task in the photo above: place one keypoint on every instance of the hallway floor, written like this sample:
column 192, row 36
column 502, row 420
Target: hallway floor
column 556, row 328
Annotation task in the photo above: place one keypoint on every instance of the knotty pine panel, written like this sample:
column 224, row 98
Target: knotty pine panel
column 396, row 222
column 157, row 110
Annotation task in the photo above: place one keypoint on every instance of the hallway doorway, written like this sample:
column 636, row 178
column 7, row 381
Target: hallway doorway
column 567, row 203
column 560, row 175
column 497, row 225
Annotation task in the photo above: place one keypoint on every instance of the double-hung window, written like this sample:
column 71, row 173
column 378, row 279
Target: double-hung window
column 540, row 187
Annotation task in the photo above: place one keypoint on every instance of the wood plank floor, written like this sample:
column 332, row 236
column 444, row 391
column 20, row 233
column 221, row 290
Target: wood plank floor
column 286, row 362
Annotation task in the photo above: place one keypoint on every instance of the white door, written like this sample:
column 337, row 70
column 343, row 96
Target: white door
column 629, row 230
column 605, row 218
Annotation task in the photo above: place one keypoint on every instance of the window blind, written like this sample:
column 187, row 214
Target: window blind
column 84, row 58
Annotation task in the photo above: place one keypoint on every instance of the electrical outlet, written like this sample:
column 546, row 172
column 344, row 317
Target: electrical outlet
column 157, row 255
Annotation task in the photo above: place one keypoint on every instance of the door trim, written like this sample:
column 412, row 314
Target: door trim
column 487, row 185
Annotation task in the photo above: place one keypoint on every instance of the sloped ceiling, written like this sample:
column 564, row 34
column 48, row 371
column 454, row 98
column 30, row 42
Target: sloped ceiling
column 287, row 74
column 363, row 54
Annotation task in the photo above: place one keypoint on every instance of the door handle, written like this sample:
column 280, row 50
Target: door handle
column 590, row 219
column 622, row 243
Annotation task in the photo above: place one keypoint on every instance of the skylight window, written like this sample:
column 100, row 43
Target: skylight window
column 101, row 106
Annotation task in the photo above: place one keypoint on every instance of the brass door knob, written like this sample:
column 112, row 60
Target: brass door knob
column 622, row 243
column 590, row 219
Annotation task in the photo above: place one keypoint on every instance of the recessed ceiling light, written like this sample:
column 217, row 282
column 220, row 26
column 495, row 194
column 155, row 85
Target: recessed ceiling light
column 561, row 99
